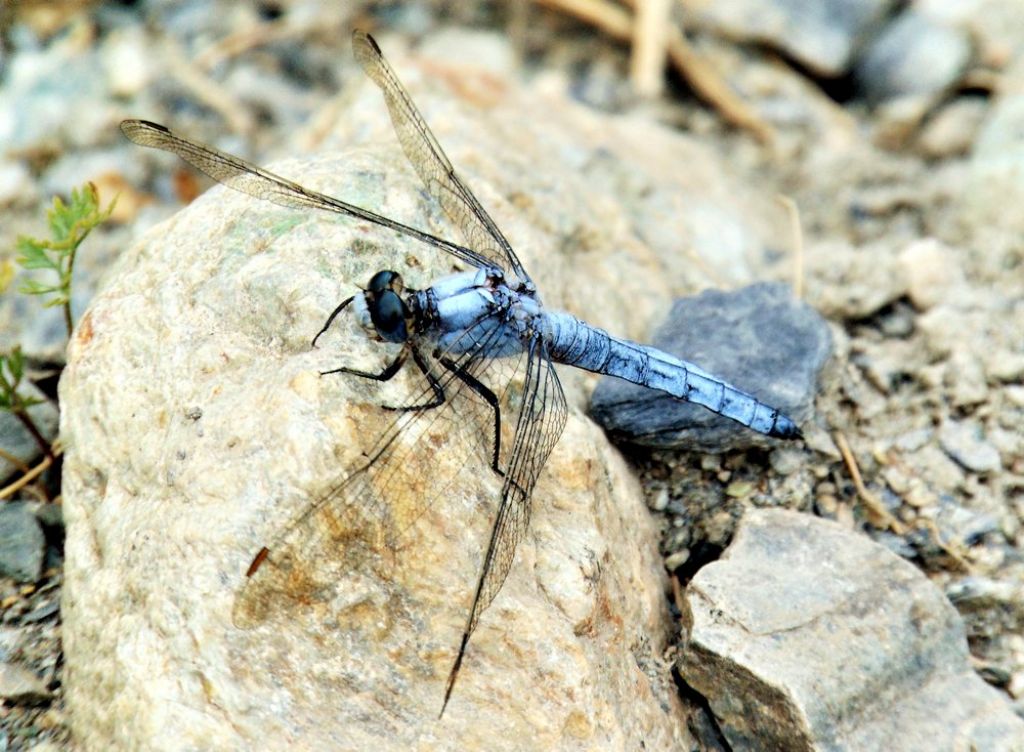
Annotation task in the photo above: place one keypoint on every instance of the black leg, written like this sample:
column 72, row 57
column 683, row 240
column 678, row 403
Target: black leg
column 424, row 367
column 488, row 396
column 330, row 320
column 384, row 375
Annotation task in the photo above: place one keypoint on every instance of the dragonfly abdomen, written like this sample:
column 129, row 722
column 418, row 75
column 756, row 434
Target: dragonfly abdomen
column 576, row 343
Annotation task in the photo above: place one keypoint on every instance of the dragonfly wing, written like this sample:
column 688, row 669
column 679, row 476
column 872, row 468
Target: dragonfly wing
column 540, row 423
column 433, row 166
column 246, row 177
column 366, row 517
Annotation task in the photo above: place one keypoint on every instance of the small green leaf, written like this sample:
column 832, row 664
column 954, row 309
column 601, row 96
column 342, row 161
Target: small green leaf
column 33, row 254
column 70, row 223
column 16, row 364
column 34, row 287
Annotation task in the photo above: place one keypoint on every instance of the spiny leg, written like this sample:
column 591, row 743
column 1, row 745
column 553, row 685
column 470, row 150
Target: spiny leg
column 488, row 396
column 435, row 385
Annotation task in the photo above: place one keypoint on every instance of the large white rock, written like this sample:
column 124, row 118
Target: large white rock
column 197, row 426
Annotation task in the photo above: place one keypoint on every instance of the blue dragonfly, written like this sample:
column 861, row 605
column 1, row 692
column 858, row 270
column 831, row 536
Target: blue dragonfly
column 469, row 336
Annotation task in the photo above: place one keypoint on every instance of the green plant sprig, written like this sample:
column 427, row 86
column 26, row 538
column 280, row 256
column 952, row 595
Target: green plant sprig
column 12, row 369
column 69, row 225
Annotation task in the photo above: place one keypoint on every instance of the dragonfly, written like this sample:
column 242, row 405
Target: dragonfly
column 483, row 348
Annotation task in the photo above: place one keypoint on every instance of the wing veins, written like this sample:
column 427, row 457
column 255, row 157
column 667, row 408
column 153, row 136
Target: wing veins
column 245, row 177
column 427, row 156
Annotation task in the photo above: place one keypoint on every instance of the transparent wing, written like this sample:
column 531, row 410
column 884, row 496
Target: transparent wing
column 539, row 424
column 365, row 518
column 434, row 168
column 246, row 177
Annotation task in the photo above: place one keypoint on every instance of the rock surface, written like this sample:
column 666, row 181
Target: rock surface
column 759, row 339
column 806, row 636
column 197, row 426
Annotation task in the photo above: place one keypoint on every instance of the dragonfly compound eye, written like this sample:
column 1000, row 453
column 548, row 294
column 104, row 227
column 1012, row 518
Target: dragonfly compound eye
column 385, row 280
column 388, row 313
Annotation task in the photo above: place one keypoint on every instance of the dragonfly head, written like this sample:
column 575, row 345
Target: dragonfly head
column 389, row 316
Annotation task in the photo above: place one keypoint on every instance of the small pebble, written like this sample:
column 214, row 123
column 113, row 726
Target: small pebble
column 19, row 685
column 22, row 543
column 951, row 132
column 964, row 442
column 659, row 501
column 676, row 560
column 739, row 489
column 786, row 461
column 931, row 271
column 913, row 55
column 1004, row 365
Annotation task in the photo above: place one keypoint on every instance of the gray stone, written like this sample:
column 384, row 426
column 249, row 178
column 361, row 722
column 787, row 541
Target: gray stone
column 126, row 58
column 914, row 55
column 39, row 90
column 807, row 636
column 957, row 523
column 760, row 339
column 19, row 685
column 821, row 34
column 964, row 442
column 22, row 543
column 975, row 592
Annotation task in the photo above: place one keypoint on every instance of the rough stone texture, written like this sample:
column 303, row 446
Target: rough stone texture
column 806, row 636
column 196, row 426
column 760, row 339
column 823, row 35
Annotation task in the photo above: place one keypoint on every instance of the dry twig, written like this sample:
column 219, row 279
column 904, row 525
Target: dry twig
column 796, row 228
column 24, row 480
column 650, row 46
column 872, row 502
column 698, row 72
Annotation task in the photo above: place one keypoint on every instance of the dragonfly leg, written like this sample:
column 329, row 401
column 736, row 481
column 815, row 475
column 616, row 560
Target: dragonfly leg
column 386, row 375
column 330, row 319
column 488, row 396
column 435, row 385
